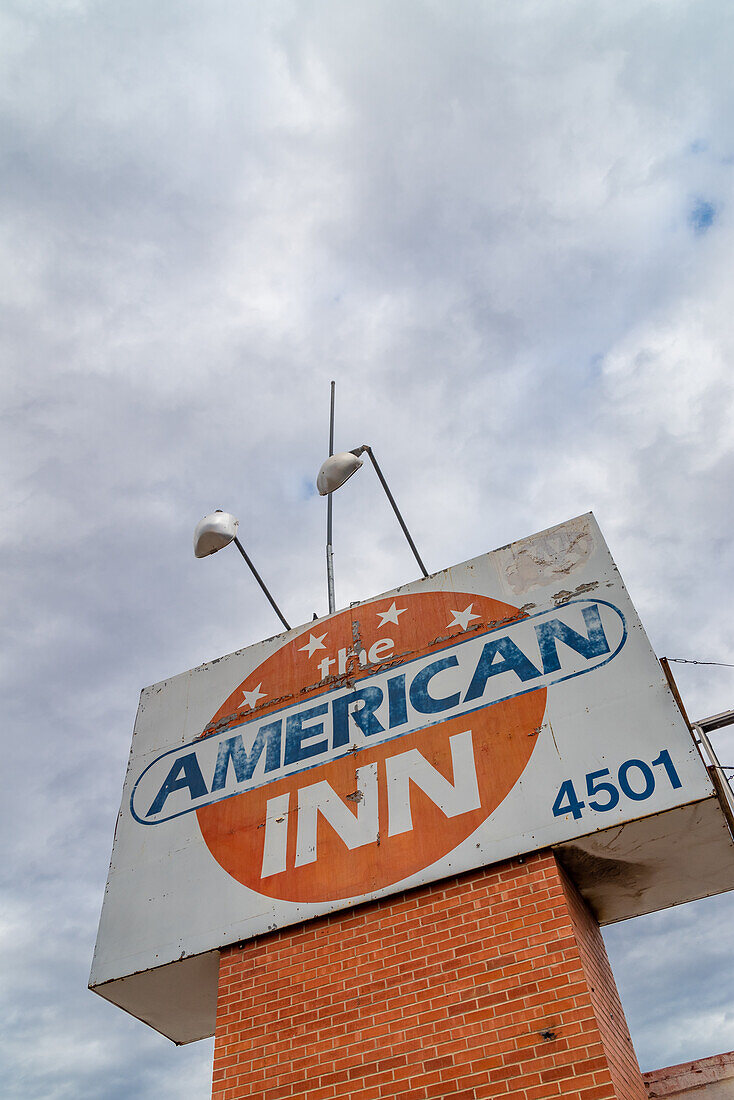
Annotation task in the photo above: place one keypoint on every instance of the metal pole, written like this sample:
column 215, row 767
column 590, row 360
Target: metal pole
column 329, row 549
column 718, row 774
column 260, row 581
column 401, row 521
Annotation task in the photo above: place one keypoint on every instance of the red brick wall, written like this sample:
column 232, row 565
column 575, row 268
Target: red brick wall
column 495, row 984
column 604, row 996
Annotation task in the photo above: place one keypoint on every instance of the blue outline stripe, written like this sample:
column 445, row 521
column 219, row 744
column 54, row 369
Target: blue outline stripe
column 384, row 740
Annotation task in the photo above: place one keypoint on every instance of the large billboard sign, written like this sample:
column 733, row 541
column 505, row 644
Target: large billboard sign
column 500, row 706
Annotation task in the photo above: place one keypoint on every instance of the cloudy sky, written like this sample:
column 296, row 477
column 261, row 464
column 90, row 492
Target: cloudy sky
column 505, row 228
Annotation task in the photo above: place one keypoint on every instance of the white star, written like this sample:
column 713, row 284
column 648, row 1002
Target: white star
column 463, row 618
column 391, row 615
column 251, row 697
column 313, row 644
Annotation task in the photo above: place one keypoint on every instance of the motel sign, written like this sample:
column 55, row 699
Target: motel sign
column 504, row 705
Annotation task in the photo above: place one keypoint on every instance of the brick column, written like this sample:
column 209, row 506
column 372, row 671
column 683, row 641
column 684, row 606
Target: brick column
column 495, row 984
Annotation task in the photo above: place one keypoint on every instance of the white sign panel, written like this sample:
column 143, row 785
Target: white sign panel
column 501, row 706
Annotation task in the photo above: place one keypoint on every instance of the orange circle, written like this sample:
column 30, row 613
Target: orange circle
column 503, row 735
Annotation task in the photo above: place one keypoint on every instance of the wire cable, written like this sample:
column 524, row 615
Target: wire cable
column 686, row 660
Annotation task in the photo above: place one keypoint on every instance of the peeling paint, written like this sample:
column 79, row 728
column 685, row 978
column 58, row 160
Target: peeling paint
column 534, row 562
column 565, row 595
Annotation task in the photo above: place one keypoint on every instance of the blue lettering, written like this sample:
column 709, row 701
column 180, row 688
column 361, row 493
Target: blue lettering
column 184, row 773
column 419, row 696
column 592, row 646
column 365, row 717
column 397, row 703
column 513, row 660
column 340, row 720
column 244, row 764
column 295, row 735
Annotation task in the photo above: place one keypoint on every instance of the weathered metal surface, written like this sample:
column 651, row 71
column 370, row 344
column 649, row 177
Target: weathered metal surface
column 500, row 706
column 653, row 862
column 704, row 1079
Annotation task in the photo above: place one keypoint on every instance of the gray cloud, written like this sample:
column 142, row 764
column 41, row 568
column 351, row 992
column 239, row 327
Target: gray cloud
column 482, row 220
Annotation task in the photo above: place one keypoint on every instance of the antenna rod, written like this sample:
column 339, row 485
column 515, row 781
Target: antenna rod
column 329, row 550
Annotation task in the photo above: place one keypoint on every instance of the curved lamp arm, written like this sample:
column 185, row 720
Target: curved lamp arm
column 366, row 449
column 338, row 468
